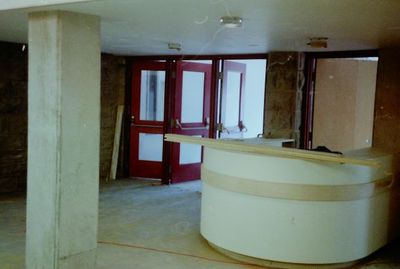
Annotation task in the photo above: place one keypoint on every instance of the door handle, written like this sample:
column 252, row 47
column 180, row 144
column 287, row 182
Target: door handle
column 242, row 127
column 178, row 125
column 133, row 124
column 146, row 125
column 222, row 128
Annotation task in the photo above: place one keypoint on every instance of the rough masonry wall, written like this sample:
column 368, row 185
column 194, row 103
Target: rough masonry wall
column 112, row 95
column 283, row 96
column 13, row 117
column 13, row 113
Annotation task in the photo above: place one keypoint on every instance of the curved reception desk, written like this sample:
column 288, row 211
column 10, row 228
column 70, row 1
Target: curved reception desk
column 297, row 206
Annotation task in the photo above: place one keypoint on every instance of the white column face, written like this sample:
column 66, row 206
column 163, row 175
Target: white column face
column 63, row 140
column 12, row 4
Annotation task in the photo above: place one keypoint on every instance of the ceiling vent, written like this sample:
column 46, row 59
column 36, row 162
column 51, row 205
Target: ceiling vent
column 318, row 42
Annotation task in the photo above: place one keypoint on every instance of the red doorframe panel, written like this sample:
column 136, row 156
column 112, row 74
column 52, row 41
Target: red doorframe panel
column 214, row 99
column 308, row 103
column 169, row 95
column 142, row 168
column 187, row 172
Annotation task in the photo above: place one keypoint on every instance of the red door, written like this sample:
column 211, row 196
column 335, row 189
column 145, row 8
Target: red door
column 147, row 120
column 231, row 123
column 191, row 116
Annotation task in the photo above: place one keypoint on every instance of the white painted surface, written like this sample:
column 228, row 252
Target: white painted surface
column 13, row 4
column 284, row 230
column 63, row 140
column 140, row 27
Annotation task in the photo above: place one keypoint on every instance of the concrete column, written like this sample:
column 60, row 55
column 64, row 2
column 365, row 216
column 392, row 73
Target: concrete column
column 63, row 140
column 283, row 95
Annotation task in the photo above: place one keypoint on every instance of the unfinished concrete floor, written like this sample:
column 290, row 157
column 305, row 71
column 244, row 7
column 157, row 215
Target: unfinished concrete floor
column 145, row 225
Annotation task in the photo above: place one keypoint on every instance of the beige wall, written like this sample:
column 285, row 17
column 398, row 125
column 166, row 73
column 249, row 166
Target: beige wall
column 344, row 103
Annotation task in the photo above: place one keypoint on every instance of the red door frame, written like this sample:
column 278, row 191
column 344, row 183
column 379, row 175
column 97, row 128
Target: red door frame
column 141, row 168
column 170, row 63
column 186, row 172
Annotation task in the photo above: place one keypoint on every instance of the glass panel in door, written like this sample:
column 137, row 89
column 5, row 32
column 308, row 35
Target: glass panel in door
column 152, row 89
column 232, row 100
column 231, row 115
column 192, row 96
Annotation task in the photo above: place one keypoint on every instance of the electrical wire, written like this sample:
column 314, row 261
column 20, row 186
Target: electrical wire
column 175, row 253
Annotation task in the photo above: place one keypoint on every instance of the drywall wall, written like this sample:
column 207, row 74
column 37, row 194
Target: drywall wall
column 12, row 4
column 344, row 103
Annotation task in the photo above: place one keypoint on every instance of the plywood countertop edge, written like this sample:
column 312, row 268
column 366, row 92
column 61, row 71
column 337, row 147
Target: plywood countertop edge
column 273, row 151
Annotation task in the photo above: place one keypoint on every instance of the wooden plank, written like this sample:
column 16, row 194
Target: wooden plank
column 273, row 151
column 117, row 138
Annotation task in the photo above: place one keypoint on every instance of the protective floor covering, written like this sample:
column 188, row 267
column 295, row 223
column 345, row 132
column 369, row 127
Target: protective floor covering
column 145, row 225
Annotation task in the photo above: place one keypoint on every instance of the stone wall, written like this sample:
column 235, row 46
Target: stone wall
column 283, row 96
column 13, row 113
column 112, row 95
column 13, row 117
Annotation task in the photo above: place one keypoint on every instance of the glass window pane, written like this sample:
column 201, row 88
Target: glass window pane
column 190, row 153
column 150, row 147
column 232, row 99
column 192, row 97
column 254, row 92
column 152, row 89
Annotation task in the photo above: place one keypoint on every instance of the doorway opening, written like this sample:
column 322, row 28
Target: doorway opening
column 207, row 97
column 341, row 98
column 241, row 98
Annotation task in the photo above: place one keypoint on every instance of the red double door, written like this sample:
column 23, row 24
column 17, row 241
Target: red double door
column 168, row 97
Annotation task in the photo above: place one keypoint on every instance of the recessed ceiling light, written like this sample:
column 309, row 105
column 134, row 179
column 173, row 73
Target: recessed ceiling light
column 231, row 21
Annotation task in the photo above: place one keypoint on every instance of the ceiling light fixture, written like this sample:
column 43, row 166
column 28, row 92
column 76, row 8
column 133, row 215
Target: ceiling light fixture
column 231, row 21
column 318, row 42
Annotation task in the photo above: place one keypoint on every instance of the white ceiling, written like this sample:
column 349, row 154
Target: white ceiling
column 145, row 27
